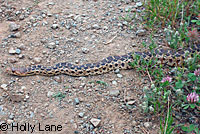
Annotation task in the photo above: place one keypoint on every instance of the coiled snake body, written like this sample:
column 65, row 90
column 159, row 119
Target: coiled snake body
column 166, row 57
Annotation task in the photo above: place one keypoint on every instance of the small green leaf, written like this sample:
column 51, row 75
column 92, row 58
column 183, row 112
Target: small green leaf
column 192, row 106
column 193, row 20
column 185, row 129
column 179, row 84
column 186, row 107
column 191, row 76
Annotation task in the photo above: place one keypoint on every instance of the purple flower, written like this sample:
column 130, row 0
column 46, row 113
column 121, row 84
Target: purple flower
column 197, row 72
column 166, row 79
column 192, row 97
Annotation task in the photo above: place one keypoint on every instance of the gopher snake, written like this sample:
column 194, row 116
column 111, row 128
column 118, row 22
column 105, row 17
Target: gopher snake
column 166, row 57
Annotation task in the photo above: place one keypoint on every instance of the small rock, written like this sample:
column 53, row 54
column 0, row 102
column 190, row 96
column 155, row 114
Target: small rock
column 13, row 26
column 18, row 51
column 4, row 86
column 76, row 101
column 141, row 32
column 96, row 26
column 133, row 45
column 147, row 124
column 58, row 79
column 21, row 46
column 114, row 82
column 54, row 26
column 117, row 71
column 119, row 76
column 16, row 35
column 21, row 56
column 81, row 114
column 23, row 88
column 138, row 4
column 49, row 94
column 51, row 45
column 130, row 102
column 114, row 92
column 85, row 50
column 12, row 60
column 125, row 23
column 37, row 60
column 95, row 122
column 11, row 116
column 11, row 51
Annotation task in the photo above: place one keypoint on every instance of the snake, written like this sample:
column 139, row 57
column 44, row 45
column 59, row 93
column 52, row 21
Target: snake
column 168, row 57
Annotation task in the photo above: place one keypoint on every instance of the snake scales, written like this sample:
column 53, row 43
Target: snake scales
column 165, row 56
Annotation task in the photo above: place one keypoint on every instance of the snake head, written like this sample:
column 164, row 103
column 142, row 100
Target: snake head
column 16, row 71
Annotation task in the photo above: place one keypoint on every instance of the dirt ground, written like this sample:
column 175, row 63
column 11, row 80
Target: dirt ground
column 48, row 32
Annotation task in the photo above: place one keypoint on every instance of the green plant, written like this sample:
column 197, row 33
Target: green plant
column 190, row 128
column 59, row 95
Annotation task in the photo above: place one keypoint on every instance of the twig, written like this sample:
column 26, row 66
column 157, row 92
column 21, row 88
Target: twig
column 149, row 77
column 111, row 40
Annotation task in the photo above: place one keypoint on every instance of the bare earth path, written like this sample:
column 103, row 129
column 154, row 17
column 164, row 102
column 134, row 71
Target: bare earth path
column 47, row 32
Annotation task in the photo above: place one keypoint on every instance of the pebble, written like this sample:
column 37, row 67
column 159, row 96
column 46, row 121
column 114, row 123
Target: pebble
column 138, row 4
column 141, row 32
column 131, row 102
column 85, row 50
column 76, row 101
column 57, row 79
column 51, row 45
column 119, row 76
column 18, row 51
column 117, row 71
column 37, row 60
column 114, row 92
column 95, row 122
column 114, row 82
column 96, row 26
column 147, row 124
column 11, row 51
column 81, row 114
column 54, row 26
column 21, row 56
column 4, row 86
column 12, row 60
column 49, row 94
column 13, row 26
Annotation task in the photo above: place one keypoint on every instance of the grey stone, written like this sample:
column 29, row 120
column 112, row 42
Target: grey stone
column 96, row 26
column 51, row 45
column 4, row 86
column 95, row 122
column 114, row 92
column 81, row 114
column 12, row 60
column 76, row 101
column 119, row 76
column 141, row 32
column 117, row 71
column 138, row 4
column 37, row 60
column 11, row 51
column 54, row 26
column 13, row 26
column 85, row 50
column 147, row 124
column 114, row 82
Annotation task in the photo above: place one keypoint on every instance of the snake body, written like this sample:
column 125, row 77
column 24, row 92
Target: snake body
column 164, row 56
